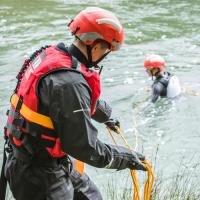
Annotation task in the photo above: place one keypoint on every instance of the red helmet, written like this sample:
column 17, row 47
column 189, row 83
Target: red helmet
column 96, row 23
column 154, row 61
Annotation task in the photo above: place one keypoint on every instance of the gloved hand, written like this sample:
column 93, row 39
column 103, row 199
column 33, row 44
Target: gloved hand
column 123, row 158
column 113, row 124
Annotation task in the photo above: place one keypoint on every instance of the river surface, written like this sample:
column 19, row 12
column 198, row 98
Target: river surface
column 170, row 28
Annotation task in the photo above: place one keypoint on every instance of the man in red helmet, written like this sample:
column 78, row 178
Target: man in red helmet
column 165, row 84
column 51, row 109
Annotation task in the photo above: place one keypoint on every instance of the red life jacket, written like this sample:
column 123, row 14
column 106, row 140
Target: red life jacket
column 48, row 61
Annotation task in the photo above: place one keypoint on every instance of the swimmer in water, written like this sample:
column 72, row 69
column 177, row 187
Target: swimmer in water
column 165, row 84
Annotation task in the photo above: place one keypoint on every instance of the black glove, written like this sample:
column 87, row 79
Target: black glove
column 113, row 124
column 123, row 158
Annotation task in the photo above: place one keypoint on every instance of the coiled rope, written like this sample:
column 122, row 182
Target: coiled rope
column 150, row 176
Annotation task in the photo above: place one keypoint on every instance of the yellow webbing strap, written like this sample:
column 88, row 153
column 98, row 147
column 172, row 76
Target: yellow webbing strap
column 31, row 115
column 150, row 176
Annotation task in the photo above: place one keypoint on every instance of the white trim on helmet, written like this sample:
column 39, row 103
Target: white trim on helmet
column 110, row 21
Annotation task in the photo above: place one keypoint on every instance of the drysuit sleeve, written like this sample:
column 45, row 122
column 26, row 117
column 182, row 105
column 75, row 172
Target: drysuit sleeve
column 67, row 99
column 157, row 89
column 102, row 112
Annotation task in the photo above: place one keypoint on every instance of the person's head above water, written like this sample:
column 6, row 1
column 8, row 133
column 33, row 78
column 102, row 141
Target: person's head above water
column 97, row 32
column 154, row 65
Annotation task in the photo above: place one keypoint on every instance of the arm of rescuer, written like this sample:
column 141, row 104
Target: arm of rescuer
column 103, row 115
column 102, row 111
column 67, row 99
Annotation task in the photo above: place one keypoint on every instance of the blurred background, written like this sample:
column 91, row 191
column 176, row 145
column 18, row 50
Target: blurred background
column 169, row 131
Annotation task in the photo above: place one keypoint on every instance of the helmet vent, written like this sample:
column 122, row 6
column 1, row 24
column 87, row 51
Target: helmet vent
column 77, row 29
column 110, row 21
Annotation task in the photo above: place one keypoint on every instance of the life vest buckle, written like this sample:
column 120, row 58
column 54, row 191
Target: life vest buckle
column 17, row 133
column 66, row 164
column 18, row 121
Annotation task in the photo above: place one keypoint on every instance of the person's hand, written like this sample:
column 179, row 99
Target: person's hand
column 124, row 158
column 136, row 164
column 113, row 124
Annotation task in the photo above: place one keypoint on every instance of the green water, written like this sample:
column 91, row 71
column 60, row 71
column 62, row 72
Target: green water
column 170, row 28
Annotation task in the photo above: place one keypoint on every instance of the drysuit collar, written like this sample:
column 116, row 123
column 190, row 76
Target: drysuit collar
column 74, row 51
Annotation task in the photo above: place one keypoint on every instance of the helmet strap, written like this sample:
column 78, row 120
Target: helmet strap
column 101, row 58
column 157, row 73
column 100, row 69
column 89, row 54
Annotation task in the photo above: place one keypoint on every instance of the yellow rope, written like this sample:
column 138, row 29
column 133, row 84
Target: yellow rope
column 189, row 91
column 150, row 176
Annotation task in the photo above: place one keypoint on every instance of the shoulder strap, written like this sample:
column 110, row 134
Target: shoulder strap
column 63, row 48
column 164, row 80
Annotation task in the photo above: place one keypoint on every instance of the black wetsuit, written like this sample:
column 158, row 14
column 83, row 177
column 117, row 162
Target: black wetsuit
column 159, row 87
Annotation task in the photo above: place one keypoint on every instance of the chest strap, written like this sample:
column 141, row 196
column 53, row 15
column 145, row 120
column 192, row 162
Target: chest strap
column 31, row 115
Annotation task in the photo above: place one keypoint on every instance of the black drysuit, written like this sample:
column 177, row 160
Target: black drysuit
column 66, row 97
